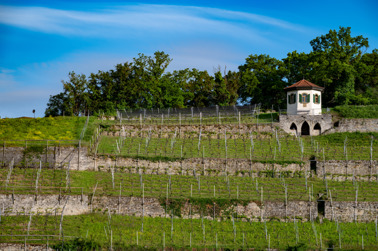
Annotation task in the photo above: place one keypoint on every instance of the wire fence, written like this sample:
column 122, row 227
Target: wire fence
column 191, row 111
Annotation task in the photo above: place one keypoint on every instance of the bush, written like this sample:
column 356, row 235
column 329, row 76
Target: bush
column 77, row 244
column 353, row 111
column 298, row 247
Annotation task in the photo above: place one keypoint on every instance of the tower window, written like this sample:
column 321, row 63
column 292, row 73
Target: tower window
column 292, row 98
column 316, row 99
column 304, row 98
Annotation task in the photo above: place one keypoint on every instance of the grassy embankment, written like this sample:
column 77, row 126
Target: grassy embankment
column 101, row 231
column 14, row 132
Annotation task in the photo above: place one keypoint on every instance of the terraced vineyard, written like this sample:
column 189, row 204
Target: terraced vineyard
column 23, row 181
column 119, row 232
column 248, row 146
column 110, row 205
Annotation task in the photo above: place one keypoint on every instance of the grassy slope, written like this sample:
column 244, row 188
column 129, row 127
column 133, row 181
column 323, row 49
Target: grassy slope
column 58, row 128
column 15, row 131
column 125, row 232
column 125, row 228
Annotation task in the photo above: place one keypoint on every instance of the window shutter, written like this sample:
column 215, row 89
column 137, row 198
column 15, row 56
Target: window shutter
column 308, row 98
column 314, row 98
column 294, row 97
column 300, row 98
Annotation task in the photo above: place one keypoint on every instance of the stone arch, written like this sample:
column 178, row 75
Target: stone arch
column 317, row 129
column 293, row 128
column 305, row 129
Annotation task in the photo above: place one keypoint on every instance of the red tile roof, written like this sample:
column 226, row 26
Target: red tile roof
column 304, row 85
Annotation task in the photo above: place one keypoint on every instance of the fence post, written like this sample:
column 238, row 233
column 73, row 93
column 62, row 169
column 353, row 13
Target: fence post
column 78, row 156
column 47, row 147
column 4, row 153
column 26, row 146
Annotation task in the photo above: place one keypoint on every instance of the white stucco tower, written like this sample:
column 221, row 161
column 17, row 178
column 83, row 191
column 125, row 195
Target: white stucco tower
column 304, row 98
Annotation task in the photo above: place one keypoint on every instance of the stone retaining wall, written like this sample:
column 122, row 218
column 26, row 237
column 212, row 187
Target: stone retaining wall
column 356, row 125
column 51, row 204
column 59, row 157
column 347, row 168
column 74, row 205
column 349, row 211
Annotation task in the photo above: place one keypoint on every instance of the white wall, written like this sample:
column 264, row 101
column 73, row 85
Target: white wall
column 292, row 108
column 300, row 108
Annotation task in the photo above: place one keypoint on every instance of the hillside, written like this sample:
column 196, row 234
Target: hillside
column 231, row 182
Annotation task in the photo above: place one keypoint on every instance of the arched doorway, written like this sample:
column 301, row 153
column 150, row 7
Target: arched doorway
column 317, row 129
column 293, row 128
column 305, row 129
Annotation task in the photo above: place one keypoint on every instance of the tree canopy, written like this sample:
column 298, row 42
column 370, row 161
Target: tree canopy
column 338, row 62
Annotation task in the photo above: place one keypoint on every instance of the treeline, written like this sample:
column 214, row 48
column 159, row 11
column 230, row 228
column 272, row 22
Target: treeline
column 338, row 62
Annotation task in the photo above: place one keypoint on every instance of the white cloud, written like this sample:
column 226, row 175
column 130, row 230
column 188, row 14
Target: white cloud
column 133, row 19
column 194, row 37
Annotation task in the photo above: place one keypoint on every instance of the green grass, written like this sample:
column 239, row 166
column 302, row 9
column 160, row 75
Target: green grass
column 353, row 111
column 125, row 232
column 22, row 181
column 51, row 128
column 264, row 147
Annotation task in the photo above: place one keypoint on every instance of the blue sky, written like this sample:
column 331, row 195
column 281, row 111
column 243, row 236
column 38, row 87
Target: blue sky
column 41, row 41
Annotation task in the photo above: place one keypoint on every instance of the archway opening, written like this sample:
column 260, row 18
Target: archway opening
column 305, row 129
column 317, row 129
column 293, row 128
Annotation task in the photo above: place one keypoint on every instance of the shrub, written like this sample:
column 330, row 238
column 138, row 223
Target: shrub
column 353, row 111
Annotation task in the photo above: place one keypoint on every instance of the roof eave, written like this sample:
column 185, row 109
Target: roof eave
column 304, row 88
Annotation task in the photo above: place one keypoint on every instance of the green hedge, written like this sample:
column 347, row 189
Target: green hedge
column 353, row 111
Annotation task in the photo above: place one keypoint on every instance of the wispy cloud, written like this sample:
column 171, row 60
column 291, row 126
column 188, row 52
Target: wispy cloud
column 135, row 18
column 195, row 37
column 6, row 78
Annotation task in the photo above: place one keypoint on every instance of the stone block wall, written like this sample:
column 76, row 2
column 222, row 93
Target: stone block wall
column 77, row 204
column 356, row 125
column 345, row 211
column 347, row 168
column 349, row 211
column 293, row 123
column 80, row 160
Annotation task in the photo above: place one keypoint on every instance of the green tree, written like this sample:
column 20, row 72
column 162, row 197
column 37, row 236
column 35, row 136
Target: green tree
column 298, row 66
column 199, row 89
column 335, row 57
column 262, row 81
column 225, row 88
column 75, row 90
column 57, row 106
column 366, row 83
